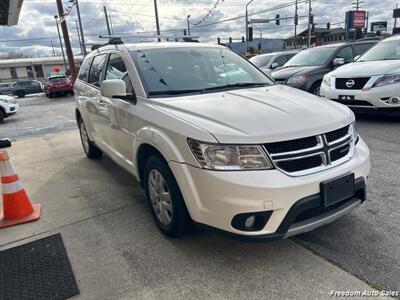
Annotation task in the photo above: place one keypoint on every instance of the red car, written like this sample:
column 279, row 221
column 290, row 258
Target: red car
column 58, row 85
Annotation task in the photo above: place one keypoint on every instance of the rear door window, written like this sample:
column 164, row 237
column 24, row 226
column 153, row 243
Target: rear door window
column 84, row 71
column 361, row 48
column 96, row 72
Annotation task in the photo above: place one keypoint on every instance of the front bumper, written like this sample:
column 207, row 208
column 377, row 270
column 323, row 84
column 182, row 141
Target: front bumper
column 215, row 198
column 11, row 109
column 371, row 101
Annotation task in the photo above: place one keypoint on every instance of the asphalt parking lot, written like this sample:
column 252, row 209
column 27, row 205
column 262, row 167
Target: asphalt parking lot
column 117, row 252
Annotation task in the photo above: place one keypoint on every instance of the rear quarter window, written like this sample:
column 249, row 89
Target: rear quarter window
column 84, row 71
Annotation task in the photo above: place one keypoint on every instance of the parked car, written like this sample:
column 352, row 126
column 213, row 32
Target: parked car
column 58, row 85
column 273, row 61
column 8, row 107
column 5, row 88
column 372, row 83
column 307, row 69
column 26, row 87
column 235, row 153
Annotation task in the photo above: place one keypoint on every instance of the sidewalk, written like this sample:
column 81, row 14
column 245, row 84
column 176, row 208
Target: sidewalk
column 117, row 252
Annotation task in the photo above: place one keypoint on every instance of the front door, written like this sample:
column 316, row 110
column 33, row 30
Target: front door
column 122, row 113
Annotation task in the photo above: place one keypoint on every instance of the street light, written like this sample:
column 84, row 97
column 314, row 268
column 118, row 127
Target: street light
column 61, row 45
column 188, row 24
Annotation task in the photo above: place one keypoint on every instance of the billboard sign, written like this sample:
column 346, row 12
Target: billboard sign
column 359, row 19
column 355, row 19
column 396, row 13
column 379, row 26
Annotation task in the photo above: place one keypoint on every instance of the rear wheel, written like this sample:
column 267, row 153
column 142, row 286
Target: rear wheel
column 20, row 94
column 91, row 150
column 165, row 199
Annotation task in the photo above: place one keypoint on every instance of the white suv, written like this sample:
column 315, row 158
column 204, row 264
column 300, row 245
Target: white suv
column 8, row 107
column 221, row 147
column 372, row 83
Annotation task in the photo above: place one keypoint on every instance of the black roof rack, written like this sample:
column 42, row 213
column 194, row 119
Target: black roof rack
column 112, row 41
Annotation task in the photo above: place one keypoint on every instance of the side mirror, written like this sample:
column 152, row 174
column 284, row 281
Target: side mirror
column 113, row 87
column 274, row 66
column 357, row 57
column 338, row 62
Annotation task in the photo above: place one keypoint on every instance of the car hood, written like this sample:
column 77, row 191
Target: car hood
column 368, row 68
column 258, row 115
column 288, row 72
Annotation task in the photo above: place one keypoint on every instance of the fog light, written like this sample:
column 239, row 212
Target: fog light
column 250, row 222
column 393, row 100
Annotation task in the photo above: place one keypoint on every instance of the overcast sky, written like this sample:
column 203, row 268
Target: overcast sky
column 36, row 29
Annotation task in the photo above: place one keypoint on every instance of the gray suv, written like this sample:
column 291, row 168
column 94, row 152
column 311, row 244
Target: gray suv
column 23, row 88
column 307, row 69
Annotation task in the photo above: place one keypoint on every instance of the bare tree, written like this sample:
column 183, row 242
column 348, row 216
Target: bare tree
column 13, row 55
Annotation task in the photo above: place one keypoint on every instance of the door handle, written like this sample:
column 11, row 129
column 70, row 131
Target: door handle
column 101, row 103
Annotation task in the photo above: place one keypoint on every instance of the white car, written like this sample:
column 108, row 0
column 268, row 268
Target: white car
column 273, row 61
column 372, row 83
column 8, row 107
column 229, row 151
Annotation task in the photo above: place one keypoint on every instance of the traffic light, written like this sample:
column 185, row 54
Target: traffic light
column 296, row 20
column 278, row 20
column 250, row 34
column 311, row 19
column 328, row 25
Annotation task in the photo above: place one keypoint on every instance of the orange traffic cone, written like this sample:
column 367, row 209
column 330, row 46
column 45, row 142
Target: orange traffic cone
column 17, row 208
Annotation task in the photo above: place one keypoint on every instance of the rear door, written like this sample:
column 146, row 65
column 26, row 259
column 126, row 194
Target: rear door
column 98, row 108
column 122, row 113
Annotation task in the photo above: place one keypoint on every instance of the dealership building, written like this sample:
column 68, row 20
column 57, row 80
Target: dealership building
column 38, row 68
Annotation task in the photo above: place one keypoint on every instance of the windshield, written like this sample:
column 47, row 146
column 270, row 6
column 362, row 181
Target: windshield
column 382, row 51
column 311, row 57
column 187, row 70
column 261, row 60
column 57, row 79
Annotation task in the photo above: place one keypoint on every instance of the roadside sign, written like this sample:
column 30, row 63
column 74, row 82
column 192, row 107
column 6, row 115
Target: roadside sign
column 379, row 26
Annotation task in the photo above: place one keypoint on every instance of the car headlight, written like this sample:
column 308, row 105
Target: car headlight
column 353, row 131
column 4, row 101
column 298, row 79
column 388, row 79
column 327, row 80
column 230, row 157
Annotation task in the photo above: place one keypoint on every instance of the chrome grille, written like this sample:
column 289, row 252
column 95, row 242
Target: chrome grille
column 312, row 154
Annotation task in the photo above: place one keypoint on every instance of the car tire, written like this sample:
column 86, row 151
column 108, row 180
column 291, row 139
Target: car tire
column 20, row 94
column 51, row 96
column 91, row 150
column 169, row 211
column 316, row 89
column 2, row 116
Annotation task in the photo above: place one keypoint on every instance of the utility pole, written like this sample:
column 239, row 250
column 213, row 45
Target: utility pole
column 111, row 24
column 67, row 42
column 247, row 21
column 61, row 44
column 309, row 24
column 84, row 52
column 157, row 22
column 296, row 22
column 79, row 36
column 395, row 19
column 188, row 24
column 107, row 23
column 52, row 46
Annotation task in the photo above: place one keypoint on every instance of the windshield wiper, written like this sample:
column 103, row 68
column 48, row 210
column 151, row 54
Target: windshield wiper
column 227, row 86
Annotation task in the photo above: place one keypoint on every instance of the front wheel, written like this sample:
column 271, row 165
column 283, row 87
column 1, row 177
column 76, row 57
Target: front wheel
column 165, row 199
column 20, row 94
column 316, row 89
column 91, row 150
column 2, row 116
